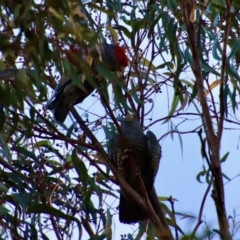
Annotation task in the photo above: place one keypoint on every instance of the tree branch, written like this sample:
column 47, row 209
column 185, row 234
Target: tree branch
column 213, row 141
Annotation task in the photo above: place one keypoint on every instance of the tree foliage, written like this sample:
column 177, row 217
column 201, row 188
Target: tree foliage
column 57, row 179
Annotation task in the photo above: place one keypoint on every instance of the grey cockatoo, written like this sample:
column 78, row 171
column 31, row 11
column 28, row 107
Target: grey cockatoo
column 145, row 151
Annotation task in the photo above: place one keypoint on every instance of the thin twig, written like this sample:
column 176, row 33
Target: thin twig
column 201, row 211
column 174, row 217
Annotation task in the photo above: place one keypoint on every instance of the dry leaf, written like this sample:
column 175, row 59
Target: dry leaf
column 184, row 102
column 212, row 86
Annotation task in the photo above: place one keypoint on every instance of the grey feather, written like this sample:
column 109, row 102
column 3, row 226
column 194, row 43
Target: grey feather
column 146, row 153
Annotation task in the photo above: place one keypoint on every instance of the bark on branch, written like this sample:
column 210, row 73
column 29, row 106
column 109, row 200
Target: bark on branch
column 213, row 140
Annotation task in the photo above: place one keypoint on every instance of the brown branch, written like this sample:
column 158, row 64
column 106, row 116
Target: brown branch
column 174, row 217
column 213, row 141
column 87, row 227
column 201, row 211
column 55, row 228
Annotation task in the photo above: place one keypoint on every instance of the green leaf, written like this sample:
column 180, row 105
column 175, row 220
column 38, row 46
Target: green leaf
column 226, row 177
column 3, row 210
column 181, row 142
column 216, row 20
column 104, row 91
column 141, row 230
column 146, row 63
column 151, row 232
column 207, row 68
column 226, row 92
column 107, row 228
column 173, row 108
column 200, row 174
column 3, row 188
column 233, row 99
column 2, row 118
column 126, row 32
column 107, row 132
column 102, row 237
column 43, row 143
column 25, row 152
column 46, row 209
column 24, row 199
column 215, row 47
column 113, row 33
column 104, row 70
column 235, row 49
column 71, row 129
column 232, row 71
column 2, row 65
column 224, row 158
column 133, row 93
column 166, row 199
column 119, row 98
column 80, row 168
column 26, row 85
column 32, row 113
